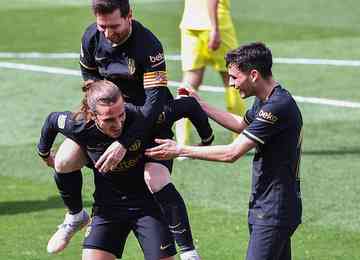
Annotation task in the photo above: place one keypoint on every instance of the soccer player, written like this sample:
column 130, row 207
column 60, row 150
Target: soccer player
column 122, row 199
column 120, row 49
column 207, row 33
column 273, row 126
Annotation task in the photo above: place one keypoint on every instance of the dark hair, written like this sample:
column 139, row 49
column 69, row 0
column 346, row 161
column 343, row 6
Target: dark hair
column 109, row 6
column 251, row 56
column 100, row 92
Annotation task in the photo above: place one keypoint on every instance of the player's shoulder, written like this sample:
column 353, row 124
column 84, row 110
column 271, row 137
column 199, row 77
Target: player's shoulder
column 90, row 33
column 283, row 103
column 72, row 122
column 281, row 98
column 144, row 36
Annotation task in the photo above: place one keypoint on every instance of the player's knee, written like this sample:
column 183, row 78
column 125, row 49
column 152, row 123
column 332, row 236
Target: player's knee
column 156, row 178
column 155, row 182
column 63, row 165
column 69, row 157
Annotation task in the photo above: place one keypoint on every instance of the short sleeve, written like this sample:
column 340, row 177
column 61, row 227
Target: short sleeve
column 87, row 48
column 267, row 122
column 155, row 74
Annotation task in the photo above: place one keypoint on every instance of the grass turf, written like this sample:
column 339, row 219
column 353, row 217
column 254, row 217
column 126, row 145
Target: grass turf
column 216, row 194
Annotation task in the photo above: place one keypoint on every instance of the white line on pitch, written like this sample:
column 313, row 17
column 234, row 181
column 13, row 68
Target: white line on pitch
column 73, row 55
column 62, row 71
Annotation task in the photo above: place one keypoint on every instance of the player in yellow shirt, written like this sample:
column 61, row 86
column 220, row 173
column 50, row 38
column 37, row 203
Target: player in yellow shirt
column 207, row 33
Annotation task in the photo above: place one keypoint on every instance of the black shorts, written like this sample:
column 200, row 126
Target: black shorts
column 110, row 235
column 269, row 242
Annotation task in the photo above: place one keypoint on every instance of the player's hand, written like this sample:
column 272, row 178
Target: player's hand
column 168, row 149
column 214, row 40
column 50, row 160
column 111, row 157
column 182, row 91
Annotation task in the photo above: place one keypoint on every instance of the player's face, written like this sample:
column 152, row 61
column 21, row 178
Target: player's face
column 110, row 119
column 241, row 81
column 113, row 26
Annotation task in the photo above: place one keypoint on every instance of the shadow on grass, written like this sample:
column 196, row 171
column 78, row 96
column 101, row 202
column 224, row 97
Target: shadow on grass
column 26, row 206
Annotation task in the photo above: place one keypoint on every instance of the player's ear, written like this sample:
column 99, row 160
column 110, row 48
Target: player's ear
column 253, row 75
column 92, row 115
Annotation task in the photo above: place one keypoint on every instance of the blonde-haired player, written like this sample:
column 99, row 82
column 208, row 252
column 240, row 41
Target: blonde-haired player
column 207, row 33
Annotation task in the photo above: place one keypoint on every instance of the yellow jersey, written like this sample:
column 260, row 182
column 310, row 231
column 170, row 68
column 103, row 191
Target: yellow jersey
column 196, row 15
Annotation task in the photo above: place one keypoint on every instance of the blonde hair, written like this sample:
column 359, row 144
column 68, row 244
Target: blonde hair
column 100, row 92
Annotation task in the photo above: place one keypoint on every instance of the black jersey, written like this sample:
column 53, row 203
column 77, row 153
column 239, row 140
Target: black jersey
column 136, row 66
column 122, row 187
column 276, row 126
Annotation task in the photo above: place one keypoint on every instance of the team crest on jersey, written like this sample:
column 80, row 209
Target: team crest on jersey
column 61, row 121
column 131, row 66
column 160, row 76
column 135, row 146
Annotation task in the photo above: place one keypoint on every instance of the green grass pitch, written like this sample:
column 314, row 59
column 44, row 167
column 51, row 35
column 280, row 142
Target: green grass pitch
column 216, row 193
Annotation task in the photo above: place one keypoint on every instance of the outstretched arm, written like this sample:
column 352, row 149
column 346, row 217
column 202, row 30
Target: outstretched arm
column 169, row 149
column 226, row 119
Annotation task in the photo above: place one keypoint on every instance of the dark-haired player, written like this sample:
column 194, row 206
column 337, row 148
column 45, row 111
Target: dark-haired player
column 273, row 126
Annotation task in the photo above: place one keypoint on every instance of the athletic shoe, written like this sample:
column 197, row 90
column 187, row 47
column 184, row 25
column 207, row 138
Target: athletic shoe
column 190, row 255
column 71, row 225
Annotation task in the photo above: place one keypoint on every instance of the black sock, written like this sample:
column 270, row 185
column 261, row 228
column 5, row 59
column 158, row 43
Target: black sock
column 69, row 186
column 174, row 210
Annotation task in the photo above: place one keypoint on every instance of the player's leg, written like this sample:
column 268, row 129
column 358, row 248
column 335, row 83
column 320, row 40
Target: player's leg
column 193, row 66
column 68, row 178
column 188, row 107
column 191, row 79
column 269, row 243
column 105, row 239
column 97, row 254
column 154, row 237
column 157, row 177
column 69, row 157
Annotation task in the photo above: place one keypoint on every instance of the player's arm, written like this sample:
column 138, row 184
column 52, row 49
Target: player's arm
column 56, row 122
column 226, row 119
column 156, row 93
column 214, row 40
column 169, row 149
column 88, row 67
